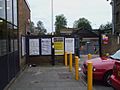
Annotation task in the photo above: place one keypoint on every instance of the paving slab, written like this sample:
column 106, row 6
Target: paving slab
column 47, row 78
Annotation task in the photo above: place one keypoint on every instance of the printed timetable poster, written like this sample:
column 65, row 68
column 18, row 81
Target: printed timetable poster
column 59, row 45
column 46, row 46
column 69, row 45
column 34, row 47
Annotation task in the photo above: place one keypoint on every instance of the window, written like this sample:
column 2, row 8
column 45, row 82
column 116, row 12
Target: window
column 15, row 32
column 15, row 11
column 3, row 38
column 9, row 10
column 10, row 37
column 2, row 9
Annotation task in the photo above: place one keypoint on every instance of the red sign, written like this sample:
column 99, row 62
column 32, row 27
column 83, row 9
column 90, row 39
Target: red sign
column 105, row 39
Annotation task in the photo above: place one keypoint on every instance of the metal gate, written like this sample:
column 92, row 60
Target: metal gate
column 9, row 67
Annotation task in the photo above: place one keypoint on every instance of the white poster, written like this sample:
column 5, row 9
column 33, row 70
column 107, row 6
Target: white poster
column 69, row 45
column 46, row 46
column 23, row 46
column 34, row 47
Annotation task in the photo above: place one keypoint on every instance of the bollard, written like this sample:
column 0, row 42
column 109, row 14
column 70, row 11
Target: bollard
column 70, row 62
column 89, row 75
column 89, row 56
column 66, row 63
column 76, row 68
column 107, row 54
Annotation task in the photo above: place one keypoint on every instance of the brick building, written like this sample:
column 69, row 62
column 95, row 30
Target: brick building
column 14, row 22
column 24, row 25
column 113, row 40
column 9, row 51
column 117, row 15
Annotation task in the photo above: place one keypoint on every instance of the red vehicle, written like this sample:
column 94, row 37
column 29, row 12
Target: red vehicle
column 102, row 67
column 115, row 78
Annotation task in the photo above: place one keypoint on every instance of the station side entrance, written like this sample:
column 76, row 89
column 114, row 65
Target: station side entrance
column 49, row 49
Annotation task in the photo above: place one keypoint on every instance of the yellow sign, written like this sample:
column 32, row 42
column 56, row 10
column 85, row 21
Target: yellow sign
column 59, row 45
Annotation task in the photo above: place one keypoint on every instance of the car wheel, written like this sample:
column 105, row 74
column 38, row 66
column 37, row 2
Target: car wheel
column 107, row 78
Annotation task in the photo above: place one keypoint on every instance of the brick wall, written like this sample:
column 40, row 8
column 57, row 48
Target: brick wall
column 24, row 17
column 117, row 15
column 112, row 45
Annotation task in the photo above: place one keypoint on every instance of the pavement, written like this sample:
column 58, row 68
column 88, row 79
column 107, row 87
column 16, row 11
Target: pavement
column 85, row 57
column 48, row 77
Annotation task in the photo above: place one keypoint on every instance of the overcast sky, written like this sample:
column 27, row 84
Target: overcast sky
column 96, row 11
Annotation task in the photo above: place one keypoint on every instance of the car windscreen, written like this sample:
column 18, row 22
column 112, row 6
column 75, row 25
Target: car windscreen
column 116, row 55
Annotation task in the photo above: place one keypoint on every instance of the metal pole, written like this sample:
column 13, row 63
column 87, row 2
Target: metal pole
column 52, row 16
column 113, row 26
column 53, row 54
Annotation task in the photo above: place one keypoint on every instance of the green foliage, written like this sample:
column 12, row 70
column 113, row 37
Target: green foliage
column 107, row 28
column 41, row 28
column 40, row 25
column 82, row 23
column 32, row 27
column 60, row 23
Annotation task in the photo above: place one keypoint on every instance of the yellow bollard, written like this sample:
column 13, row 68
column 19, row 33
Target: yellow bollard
column 89, row 80
column 76, row 68
column 66, row 63
column 89, row 56
column 107, row 54
column 70, row 62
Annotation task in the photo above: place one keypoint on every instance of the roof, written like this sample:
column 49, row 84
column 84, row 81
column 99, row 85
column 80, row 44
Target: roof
column 28, row 5
column 83, row 33
column 67, row 31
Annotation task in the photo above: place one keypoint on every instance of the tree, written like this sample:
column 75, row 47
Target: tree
column 82, row 23
column 41, row 28
column 32, row 27
column 106, row 27
column 60, row 23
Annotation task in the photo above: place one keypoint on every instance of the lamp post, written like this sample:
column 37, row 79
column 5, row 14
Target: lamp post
column 52, row 16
